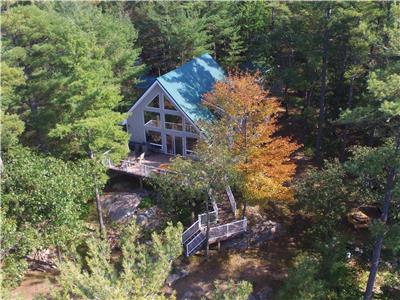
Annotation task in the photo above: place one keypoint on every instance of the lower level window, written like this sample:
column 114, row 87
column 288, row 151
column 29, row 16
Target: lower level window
column 190, row 145
column 154, row 139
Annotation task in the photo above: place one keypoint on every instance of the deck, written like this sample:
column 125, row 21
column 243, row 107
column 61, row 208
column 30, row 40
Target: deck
column 150, row 163
column 222, row 220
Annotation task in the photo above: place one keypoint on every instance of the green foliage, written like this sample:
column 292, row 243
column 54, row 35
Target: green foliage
column 171, row 32
column 146, row 202
column 44, row 203
column 381, row 110
column 11, row 129
column 186, row 187
column 178, row 200
column 325, row 276
column 144, row 268
column 75, row 61
column 324, row 195
column 232, row 291
column 391, row 286
column 329, row 194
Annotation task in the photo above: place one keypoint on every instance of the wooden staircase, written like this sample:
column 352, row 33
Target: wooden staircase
column 223, row 224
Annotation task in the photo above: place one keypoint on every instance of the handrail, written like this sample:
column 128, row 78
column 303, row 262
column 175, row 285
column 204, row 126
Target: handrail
column 228, row 229
column 173, row 126
column 231, row 199
column 188, row 233
column 193, row 244
column 146, row 169
column 157, row 123
column 213, row 218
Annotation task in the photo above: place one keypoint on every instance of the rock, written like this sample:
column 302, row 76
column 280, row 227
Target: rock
column 176, row 276
column 188, row 295
column 142, row 220
column 361, row 217
column 264, row 294
column 171, row 279
column 121, row 206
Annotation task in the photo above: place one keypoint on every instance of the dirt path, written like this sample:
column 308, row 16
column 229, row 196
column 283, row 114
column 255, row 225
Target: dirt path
column 34, row 284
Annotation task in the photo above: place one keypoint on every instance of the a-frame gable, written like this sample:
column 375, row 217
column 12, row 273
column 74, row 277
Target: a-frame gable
column 144, row 97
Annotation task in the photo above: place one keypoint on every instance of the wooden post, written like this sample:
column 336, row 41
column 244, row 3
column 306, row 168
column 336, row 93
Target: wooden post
column 141, row 183
column 219, row 245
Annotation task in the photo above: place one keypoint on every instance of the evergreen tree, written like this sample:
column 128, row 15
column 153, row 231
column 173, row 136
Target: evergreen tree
column 171, row 33
column 143, row 268
column 73, row 76
column 44, row 204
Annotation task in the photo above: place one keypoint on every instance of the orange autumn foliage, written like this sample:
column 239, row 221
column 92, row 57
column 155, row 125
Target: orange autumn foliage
column 249, row 116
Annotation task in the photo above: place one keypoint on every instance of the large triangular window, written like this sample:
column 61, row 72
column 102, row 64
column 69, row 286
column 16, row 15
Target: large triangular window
column 168, row 104
column 155, row 103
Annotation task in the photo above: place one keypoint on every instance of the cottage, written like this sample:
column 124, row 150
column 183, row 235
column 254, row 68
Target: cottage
column 166, row 117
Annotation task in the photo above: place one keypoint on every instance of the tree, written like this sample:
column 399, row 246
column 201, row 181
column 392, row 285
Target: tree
column 73, row 76
column 139, row 274
column 383, row 111
column 321, row 118
column 328, row 195
column 224, row 30
column 205, row 176
column 248, row 115
column 172, row 33
column 44, row 204
column 321, row 276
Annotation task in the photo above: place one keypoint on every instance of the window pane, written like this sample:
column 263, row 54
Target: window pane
column 152, row 119
column 168, row 104
column 155, row 102
column 154, row 138
column 173, row 122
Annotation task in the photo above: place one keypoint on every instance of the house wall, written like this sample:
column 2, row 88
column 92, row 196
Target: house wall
column 136, row 122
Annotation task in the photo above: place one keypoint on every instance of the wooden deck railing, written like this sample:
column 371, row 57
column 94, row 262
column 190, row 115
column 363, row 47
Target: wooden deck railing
column 226, row 230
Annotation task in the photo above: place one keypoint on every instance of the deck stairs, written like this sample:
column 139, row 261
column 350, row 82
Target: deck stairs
column 223, row 224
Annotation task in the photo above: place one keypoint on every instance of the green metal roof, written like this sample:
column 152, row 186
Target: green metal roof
column 188, row 83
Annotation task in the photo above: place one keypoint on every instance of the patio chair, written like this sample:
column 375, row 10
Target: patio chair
column 140, row 158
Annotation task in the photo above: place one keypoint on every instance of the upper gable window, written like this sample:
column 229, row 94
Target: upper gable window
column 155, row 102
column 168, row 104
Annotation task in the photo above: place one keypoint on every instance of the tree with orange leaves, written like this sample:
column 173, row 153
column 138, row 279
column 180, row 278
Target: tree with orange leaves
column 249, row 115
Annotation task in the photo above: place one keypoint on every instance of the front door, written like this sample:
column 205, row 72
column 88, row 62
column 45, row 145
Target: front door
column 174, row 145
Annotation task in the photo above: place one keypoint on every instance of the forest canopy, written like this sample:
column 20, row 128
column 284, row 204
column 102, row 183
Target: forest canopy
column 307, row 128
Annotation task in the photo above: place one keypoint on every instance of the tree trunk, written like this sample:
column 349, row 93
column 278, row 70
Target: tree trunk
column 321, row 119
column 96, row 190
column 99, row 208
column 346, row 127
column 286, row 100
column 385, row 214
